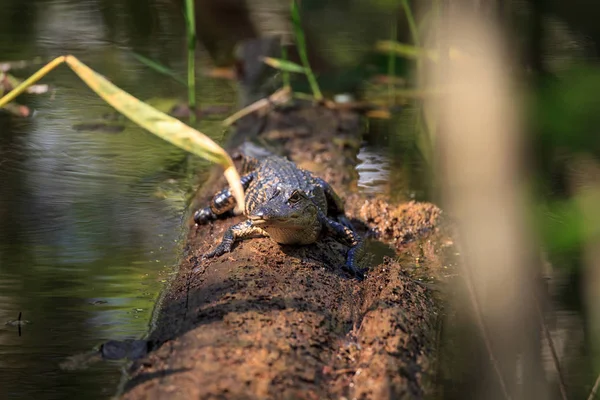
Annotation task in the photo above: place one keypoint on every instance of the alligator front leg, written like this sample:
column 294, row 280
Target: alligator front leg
column 349, row 237
column 335, row 205
column 221, row 203
column 243, row 230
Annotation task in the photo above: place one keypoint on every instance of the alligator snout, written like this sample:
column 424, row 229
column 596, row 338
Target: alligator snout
column 264, row 214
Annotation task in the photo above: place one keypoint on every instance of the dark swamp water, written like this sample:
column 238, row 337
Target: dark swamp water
column 91, row 222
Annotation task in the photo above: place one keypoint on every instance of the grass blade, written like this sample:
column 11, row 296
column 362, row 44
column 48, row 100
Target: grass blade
column 284, row 65
column 160, row 124
column 302, row 51
column 191, row 43
column 158, row 67
column 411, row 22
column 404, row 50
column 286, row 74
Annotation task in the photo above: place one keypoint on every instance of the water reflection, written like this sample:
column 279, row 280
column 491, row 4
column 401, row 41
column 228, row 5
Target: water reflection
column 85, row 241
column 390, row 162
column 373, row 170
column 84, row 246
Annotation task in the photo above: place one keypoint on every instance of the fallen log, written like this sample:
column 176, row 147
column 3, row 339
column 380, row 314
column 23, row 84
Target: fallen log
column 269, row 321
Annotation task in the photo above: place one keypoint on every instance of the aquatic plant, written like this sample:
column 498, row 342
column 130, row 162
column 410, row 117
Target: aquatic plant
column 303, row 52
column 190, row 29
column 146, row 116
column 286, row 66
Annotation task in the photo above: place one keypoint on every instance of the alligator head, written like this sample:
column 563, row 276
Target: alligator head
column 286, row 208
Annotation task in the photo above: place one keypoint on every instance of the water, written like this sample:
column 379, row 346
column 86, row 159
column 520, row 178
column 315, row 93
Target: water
column 91, row 222
column 390, row 162
column 83, row 247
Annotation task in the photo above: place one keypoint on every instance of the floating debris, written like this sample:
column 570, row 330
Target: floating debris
column 17, row 322
column 97, row 302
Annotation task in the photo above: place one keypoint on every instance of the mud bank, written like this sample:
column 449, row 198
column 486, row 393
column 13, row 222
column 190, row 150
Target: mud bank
column 283, row 322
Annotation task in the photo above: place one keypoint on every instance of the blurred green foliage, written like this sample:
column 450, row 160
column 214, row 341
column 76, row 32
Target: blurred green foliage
column 566, row 111
column 564, row 122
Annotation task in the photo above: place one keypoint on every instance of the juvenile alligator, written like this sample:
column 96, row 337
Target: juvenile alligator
column 287, row 204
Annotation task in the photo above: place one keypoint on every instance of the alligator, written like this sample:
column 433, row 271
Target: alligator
column 289, row 205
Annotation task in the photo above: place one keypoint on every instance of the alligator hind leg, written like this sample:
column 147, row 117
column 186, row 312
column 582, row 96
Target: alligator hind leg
column 243, row 230
column 356, row 253
column 348, row 236
column 220, row 203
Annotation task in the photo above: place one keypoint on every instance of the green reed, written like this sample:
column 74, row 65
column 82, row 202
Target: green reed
column 190, row 20
column 302, row 51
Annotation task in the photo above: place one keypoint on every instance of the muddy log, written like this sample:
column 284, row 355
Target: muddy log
column 282, row 322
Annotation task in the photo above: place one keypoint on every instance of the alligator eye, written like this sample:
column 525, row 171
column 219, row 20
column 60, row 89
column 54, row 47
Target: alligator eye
column 295, row 197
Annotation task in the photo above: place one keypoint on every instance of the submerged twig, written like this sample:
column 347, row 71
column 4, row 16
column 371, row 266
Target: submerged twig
column 594, row 389
column 561, row 381
column 486, row 339
column 280, row 96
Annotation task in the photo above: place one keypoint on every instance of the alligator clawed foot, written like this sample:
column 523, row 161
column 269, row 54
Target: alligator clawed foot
column 355, row 271
column 360, row 274
column 221, row 249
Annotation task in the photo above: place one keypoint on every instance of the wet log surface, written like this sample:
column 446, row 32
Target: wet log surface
column 284, row 322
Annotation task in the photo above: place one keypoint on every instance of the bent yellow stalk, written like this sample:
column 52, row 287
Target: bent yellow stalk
column 158, row 123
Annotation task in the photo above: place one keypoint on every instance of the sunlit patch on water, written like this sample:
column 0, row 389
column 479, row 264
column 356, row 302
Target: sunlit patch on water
column 373, row 170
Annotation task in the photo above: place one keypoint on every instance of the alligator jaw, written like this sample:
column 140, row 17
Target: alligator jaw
column 257, row 220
